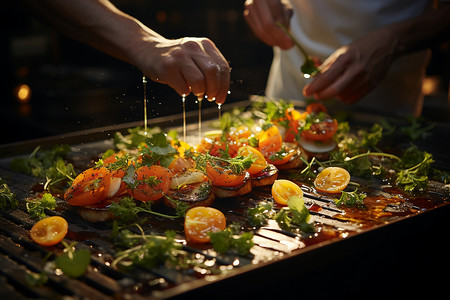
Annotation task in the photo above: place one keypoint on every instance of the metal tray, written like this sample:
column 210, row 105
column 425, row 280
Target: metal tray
column 379, row 256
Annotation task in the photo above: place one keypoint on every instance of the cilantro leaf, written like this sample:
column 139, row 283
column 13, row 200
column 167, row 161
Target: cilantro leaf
column 36, row 207
column 351, row 199
column 7, row 198
column 229, row 241
column 73, row 263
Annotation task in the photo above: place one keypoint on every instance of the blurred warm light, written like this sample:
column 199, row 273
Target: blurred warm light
column 161, row 16
column 23, row 93
column 430, row 85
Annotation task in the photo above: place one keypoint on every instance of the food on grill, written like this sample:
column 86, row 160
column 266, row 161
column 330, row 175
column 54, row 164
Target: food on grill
column 49, row 231
column 332, row 180
column 283, row 189
column 226, row 182
column 151, row 183
column 200, row 220
column 89, row 187
column 193, row 194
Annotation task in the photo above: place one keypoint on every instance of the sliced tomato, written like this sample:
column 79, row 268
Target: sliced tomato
column 223, row 177
column 259, row 164
column 316, row 107
column 49, row 231
column 270, row 141
column 152, row 183
column 181, row 165
column 283, row 189
column 321, row 131
column 282, row 157
column 200, row 220
column 332, row 180
column 89, row 187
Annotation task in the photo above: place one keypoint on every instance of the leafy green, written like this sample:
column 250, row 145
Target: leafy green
column 150, row 251
column 351, row 199
column 48, row 164
column 72, row 262
column 237, row 164
column 157, row 149
column 7, row 198
column 230, row 241
column 415, row 178
column 36, row 206
column 295, row 216
column 127, row 210
column 259, row 215
column 35, row 279
column 135, row 138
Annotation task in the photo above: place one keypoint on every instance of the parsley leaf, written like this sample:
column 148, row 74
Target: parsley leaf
column 259, row 215
column 73, row 263
column 158, row 149
column 36, row 207
column 7, row 198
column 229, row 241
column 351, row 199
column 295, row 216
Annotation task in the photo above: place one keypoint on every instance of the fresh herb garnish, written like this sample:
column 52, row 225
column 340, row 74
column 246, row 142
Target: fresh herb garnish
column 351, row 199
column 231, row 241
column 7, row 198
column 72, row 262
column 149, row 251
column 295, row 216
column 36, row 206
column 259, row 214
column 127, row 210
column 157, row 149
column 237, row 164
column 48, row 164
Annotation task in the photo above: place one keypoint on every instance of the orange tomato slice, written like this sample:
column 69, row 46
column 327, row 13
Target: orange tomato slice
column 153, row 183
column 181, row 165
column 283, row 158
column 223, row 177
column 200, row 220
column 332, row 180
column 282, row 189
column 321, row 131
column 49, row 231
column 270, row 141
column 89, row 187
column 259, row 164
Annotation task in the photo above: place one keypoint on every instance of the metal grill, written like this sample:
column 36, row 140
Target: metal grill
column 275, row 251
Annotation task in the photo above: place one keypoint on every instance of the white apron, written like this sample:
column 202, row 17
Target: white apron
column 322, row 26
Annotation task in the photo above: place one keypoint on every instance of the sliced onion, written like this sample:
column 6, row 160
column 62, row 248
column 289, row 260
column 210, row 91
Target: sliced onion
column 113, row 187
column 186, row 178
column 317, row 146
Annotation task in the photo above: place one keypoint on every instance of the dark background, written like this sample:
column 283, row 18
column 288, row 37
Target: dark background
column 75, row 87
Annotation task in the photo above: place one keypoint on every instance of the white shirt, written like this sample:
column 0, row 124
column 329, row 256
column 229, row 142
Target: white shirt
column 322, row 26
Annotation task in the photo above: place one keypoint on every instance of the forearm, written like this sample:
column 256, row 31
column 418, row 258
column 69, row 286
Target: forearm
column 97, row 23
column 422, row 32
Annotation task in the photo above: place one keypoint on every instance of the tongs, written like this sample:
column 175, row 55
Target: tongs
column 308, row 68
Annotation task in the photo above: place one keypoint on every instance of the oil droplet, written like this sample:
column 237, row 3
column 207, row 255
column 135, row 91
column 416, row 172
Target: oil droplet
column 183, row 99
column 144, row 86
column 219, row 106
column 200, row 118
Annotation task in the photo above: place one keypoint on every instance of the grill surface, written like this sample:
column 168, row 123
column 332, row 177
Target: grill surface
column 346, row 238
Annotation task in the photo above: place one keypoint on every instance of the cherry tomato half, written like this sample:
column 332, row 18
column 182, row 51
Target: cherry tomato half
column 89, row 187
column 316, row 107
column 270, row 141
column 153, row 183
column 49, row 231
column 259, row 164
column 200, row 220
column 332, row 180
column 223, row 177
column 321, row 131
column 283, row 189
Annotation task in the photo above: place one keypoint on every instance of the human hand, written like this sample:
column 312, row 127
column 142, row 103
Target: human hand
column 187, row 65
column 354, row 70
column 262, row 17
